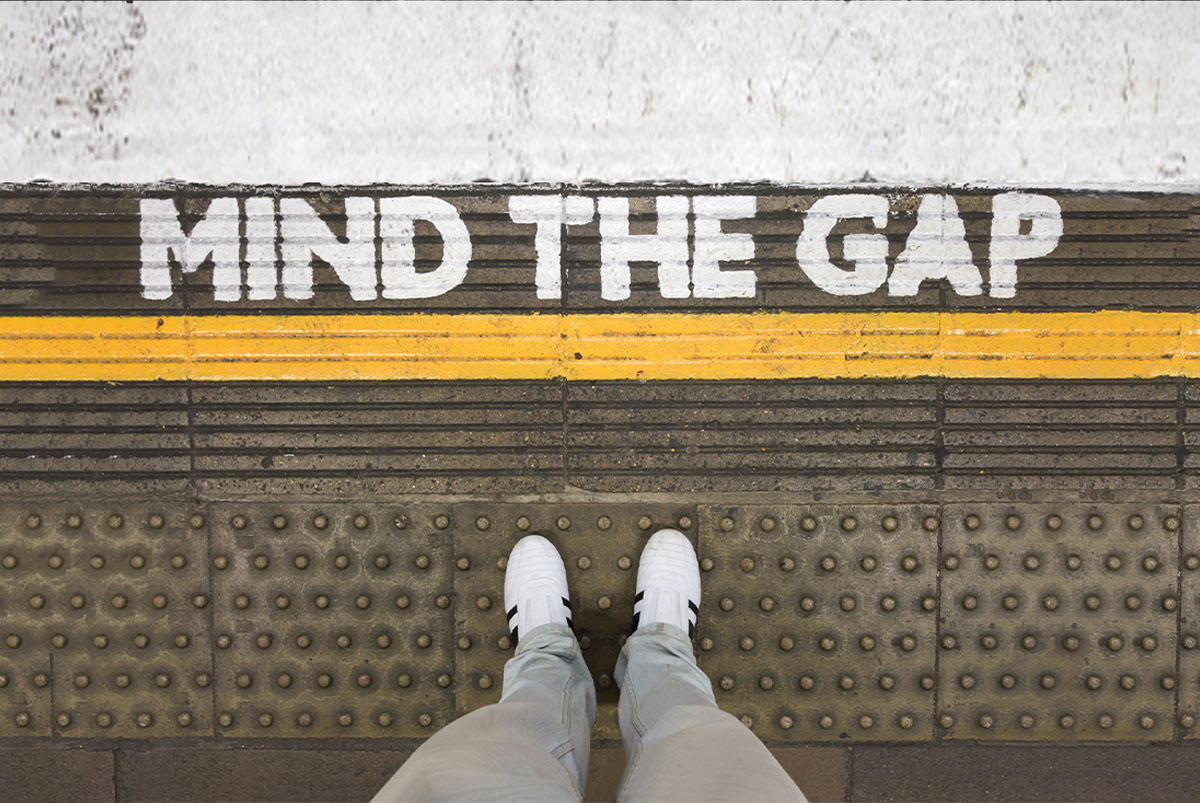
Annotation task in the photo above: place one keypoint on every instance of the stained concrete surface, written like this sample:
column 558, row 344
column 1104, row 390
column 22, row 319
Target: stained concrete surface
column 207, row 773
column 1070, row 93
column 198, row 774
column 995, row 773
column 872, row 774
column 39, row 774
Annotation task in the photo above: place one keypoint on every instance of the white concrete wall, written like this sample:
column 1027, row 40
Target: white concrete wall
column 244, row 92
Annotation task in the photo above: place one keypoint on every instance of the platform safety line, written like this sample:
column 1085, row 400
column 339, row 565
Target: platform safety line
column 1107, row 344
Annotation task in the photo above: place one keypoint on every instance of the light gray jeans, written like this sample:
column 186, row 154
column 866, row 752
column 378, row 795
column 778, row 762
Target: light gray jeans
column 534, row 743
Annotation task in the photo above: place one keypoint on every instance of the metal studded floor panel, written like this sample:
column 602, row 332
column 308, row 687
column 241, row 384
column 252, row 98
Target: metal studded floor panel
column 827, row 622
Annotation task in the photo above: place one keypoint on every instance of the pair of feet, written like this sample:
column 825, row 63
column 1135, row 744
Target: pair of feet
column 667, row 590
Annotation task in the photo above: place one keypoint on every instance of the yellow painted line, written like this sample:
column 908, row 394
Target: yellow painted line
column 693, row 345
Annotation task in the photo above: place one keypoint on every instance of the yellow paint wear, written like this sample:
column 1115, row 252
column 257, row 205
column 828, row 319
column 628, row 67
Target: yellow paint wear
column 760, row 345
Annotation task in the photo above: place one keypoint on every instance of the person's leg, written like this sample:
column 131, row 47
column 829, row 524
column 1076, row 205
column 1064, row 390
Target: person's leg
column 678, row 744
column 534, row 743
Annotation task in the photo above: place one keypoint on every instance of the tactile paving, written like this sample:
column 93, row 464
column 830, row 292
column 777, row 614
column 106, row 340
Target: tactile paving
column 105, row 612
column 1189, row 625
column 818, row 622
column 332, row 620
column 1058, row 622
column 832, row 622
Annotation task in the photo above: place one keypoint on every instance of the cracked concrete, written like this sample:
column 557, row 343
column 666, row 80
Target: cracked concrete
column 999, row 93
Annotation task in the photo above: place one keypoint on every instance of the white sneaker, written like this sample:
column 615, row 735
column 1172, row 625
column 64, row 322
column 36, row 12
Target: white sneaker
column 535, row 586
column 668, row 583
